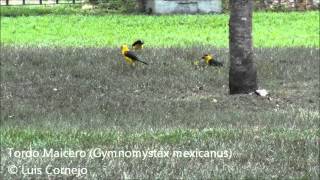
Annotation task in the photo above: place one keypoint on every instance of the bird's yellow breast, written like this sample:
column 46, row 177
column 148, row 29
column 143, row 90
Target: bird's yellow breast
column 128, row 60
column 208, row 59
column 124, row 49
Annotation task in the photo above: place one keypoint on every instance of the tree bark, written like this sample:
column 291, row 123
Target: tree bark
column 242, row 73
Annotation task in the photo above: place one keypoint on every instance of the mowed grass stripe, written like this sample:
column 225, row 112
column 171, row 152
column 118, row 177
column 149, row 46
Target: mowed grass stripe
column 24, row 138
column 269, row 30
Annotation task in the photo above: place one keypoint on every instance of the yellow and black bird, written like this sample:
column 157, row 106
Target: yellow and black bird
column 129, row 56
column 209, row 60
column 138, row 45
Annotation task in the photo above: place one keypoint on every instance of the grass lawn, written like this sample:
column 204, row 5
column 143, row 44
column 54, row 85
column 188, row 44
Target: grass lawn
column 64, row 85
column 87, row 98
column 269, row 30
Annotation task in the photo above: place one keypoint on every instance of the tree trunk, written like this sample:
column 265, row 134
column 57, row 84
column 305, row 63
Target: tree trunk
column 242, row 73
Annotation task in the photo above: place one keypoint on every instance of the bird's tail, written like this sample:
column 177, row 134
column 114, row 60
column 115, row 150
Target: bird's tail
column 142, row 62
column 220, row 64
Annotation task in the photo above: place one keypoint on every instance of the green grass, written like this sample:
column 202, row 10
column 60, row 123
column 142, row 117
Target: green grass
column 74, row 138
column 275, row 152
column 270, row 30
column 84, row 98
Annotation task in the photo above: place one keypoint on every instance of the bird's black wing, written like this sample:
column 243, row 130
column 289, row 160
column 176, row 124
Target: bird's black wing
column 214, row 62
column 217, row 63
column 134, row 57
